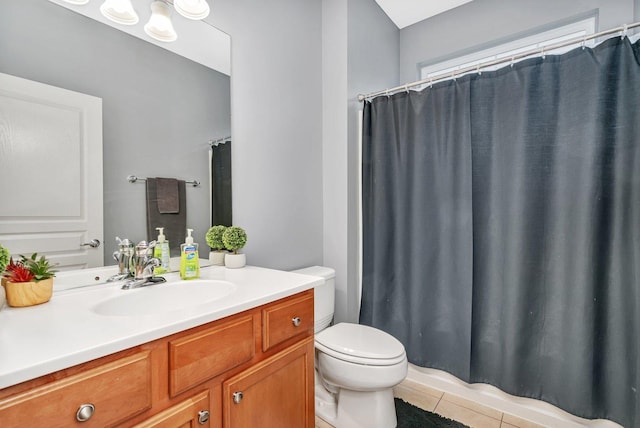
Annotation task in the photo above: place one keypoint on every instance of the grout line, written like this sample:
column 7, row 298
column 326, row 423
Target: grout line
column 439, row 400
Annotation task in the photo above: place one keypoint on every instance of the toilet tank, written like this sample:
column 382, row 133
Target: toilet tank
column 324, row 295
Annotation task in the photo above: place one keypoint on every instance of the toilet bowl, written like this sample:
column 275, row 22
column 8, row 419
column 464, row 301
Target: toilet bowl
column 357, row 366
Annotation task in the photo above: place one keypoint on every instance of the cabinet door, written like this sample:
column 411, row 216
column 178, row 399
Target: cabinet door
column 104, row 396
column 278, row 392
column 192, row 413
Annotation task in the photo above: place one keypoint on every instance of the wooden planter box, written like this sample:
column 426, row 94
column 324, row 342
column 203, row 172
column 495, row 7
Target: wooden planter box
column 20, row 294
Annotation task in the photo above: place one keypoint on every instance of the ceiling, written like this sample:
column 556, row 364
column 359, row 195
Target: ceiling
column 407, row 12
column 402, row 12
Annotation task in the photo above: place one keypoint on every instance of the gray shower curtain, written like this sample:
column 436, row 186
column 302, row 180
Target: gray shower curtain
column 501, row 228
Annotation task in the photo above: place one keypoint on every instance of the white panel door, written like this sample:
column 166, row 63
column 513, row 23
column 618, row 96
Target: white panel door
column 50, row 172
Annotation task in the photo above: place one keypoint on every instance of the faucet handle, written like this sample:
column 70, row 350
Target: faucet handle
column 123, row 243
column 149, row 267
column 145, row 249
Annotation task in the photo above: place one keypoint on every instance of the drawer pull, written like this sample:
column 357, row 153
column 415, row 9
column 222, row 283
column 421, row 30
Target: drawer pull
column 85, row 411
column 237, row 397
column 296, row 321
column 203, row 417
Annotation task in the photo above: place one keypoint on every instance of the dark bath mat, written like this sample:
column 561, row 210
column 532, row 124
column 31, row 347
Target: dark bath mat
column 410, row 416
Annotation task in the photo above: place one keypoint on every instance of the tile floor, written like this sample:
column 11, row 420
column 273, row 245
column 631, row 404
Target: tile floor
column 452, row 407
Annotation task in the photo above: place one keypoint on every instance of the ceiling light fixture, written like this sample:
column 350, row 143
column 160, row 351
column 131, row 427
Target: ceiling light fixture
column 120, row 11
column 159, row 26
column 192, row 9
column 77, row 2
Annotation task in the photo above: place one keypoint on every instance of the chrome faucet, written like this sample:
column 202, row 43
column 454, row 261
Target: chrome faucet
column 142, row 266
column 123, row 257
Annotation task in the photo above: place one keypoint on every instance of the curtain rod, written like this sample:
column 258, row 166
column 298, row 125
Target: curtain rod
column 452, row 75
column 219, row 141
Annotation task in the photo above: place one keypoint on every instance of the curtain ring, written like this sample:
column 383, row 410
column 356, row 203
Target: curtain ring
column 431, row 83
column 624, row 31
column 544, row 56
column 478, row 70
column 512, row 59
column 406, row 88
column 584, row 42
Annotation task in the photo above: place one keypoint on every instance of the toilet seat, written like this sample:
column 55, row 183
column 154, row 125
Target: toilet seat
column 360, row 344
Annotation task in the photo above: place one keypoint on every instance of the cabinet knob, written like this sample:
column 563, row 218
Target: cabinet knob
column 296, row 321
column 85, row 411
column 203, row 417
column 237, row 397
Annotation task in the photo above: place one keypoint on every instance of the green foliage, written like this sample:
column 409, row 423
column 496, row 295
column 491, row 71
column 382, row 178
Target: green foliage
column 39, row 267
column 214, row 237
column 234, row 238
column 4, row 258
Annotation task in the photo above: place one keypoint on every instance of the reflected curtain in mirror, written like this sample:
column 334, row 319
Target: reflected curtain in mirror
column 221, row 210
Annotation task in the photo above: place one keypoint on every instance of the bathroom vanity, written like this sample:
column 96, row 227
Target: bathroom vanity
column 244, row 359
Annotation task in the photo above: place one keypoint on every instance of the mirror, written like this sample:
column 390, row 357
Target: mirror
column 159, row 110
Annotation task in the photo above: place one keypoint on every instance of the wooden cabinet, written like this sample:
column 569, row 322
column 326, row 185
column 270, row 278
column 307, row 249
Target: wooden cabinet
column 104, row 396
column 287, row 319
column 278, row 392
column 191, row 413
column 200, row 356
column 266, row 353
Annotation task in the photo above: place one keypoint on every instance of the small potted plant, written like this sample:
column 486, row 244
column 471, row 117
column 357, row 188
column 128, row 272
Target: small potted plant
column 214, row 240
column 234, row 239
column 29, row 281
column 5, row 258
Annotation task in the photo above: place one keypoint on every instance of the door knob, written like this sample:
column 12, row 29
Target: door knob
column 94, row 243
column 237, row 397
column 296, row 321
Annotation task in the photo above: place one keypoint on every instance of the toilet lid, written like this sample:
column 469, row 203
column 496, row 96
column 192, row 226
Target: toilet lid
column 360, row 342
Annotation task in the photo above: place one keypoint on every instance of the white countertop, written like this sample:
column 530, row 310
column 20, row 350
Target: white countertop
column 64, row 332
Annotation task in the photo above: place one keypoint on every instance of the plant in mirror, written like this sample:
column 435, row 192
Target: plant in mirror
column 214, row 241
column 151, row 123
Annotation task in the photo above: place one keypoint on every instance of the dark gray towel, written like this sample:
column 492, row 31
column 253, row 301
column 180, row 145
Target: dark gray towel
column 167, row 194
column 175, row 224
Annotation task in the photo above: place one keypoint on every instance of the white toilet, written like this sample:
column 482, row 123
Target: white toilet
column 357, row 366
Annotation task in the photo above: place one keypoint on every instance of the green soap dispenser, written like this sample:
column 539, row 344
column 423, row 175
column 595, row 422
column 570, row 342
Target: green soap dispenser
column 189, row 260
column 162, row 252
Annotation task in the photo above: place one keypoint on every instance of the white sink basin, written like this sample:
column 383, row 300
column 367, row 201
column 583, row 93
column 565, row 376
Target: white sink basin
column 159, row 298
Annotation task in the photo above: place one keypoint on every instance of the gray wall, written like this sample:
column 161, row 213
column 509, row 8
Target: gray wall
column 373, row 63
column 276, row 86
column 159, row 109
column 335, row 147
column 481, row 22
column 360, row 54
column 636, row 11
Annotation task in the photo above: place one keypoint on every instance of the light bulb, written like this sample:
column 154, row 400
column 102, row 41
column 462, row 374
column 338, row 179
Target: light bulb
column 120, row 11
column 159, row 26
column 192, row 9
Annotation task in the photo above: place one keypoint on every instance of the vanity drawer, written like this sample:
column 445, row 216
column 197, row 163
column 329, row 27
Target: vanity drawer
column 198, row 357
column 193, row 412
column 287, row 319
column 117, row 390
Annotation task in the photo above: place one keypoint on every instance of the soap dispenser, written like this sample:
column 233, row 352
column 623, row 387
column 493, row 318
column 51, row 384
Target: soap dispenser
column 162, row 252
column 189, row 260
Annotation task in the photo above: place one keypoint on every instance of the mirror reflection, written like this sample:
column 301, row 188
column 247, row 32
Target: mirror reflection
column 159, row 114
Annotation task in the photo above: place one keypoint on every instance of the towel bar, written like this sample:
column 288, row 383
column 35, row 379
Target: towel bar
column 133, row 179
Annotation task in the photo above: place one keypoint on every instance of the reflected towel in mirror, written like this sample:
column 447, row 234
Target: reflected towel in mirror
column 175, row 224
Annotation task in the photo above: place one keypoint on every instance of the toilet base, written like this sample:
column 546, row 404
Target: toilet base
column 356, row 409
